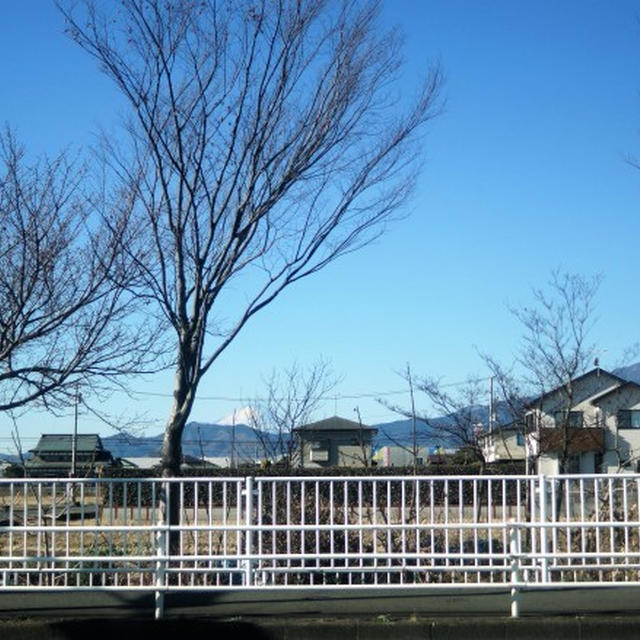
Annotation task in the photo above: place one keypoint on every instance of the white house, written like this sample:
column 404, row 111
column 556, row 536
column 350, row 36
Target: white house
column 591, row 424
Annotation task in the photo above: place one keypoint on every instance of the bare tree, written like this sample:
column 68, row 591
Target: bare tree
column 455, row 413
column 555, row 350
column 293, row 395
column 267, row 140
column 555, row 344
column 412, row 449
column 66, row 317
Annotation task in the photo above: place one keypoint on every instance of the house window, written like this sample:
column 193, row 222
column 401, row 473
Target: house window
column 530, row 422
column 520, row 439
column 629, row 419
column 568, row 419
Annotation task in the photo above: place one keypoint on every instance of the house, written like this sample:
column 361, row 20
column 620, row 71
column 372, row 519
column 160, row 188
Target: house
column 591, row 424
column 54, row 453
column 334, row 442
column 504, row 444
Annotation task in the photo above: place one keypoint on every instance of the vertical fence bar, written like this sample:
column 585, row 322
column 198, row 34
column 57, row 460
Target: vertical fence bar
column 274, row 520
column 542, row 492
column 514, row 552
column 374, row 534
column 461, row 518
column 596, row 508
column 432, row 516
column 583, row 533
column 447, row 550
column 389, row 532
column 260, row 532
column 418, row 544
column 347, row 534
column 303, row 534
column 625, row 516
column 490, row 508
column 161, row 546
column 553, row 512
column 331, row 522
column 248, row 531
column 403, row 532
column 11, row 523
column 611, row 520
column 317, row 522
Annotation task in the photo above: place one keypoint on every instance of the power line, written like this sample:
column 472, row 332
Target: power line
column 335, row 396
column 331, row 396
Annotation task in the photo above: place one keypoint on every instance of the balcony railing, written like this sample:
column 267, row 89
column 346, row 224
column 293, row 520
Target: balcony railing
column 572, row 440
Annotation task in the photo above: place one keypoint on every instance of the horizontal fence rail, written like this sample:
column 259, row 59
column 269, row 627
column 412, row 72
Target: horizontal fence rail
column 279, row 532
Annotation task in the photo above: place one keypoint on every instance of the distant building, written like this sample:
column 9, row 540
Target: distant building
column 504, row 444
column 52, row 456
column 397, row 456
column 334, row 442
column 154, row 462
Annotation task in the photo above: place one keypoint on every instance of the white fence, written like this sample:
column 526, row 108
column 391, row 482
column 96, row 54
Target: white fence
column 279, row 532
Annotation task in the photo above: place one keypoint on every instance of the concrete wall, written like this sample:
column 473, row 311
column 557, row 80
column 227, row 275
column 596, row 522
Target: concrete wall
column 502, row 445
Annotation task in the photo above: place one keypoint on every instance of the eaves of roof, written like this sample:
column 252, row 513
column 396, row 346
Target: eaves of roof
column 627, row 385
column 539, row 399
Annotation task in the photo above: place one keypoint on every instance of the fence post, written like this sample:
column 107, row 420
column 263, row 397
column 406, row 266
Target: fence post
column 161, row 546
column 542, row 491
column 248, row 534
column 514, row 553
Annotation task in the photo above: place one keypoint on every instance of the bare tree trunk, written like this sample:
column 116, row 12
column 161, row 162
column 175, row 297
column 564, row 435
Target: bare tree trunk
column 171, row 453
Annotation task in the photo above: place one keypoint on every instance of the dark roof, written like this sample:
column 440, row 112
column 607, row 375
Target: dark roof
column 596, row 371
column 335, row 424
column 626, row 385
column 60, row 443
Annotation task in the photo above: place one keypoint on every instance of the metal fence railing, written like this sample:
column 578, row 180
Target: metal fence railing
column 279, row 532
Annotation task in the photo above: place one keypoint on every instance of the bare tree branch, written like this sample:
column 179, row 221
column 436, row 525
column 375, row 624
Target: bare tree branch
column 293, row 395
column 66, row 316
column 267, row 139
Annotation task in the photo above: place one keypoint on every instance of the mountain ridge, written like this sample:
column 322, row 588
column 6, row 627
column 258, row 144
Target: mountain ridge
column 202, row 439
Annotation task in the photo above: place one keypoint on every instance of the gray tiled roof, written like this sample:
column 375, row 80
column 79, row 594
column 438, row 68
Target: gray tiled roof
column 335, row 424
column 59, row 443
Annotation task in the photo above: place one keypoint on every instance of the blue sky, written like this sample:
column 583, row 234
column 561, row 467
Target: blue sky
column 524, row 172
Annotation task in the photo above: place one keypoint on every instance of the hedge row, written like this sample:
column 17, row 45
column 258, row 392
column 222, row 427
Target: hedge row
column 217, row 494
column 472, row 469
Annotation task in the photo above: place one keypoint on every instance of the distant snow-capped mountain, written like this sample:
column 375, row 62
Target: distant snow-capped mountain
column 245, row 415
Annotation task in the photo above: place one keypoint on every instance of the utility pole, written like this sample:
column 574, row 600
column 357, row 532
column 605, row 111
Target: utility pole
column 414, row 438
column 365, row 457
column 233, row 440
column 491, row 404
column 74, row 439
